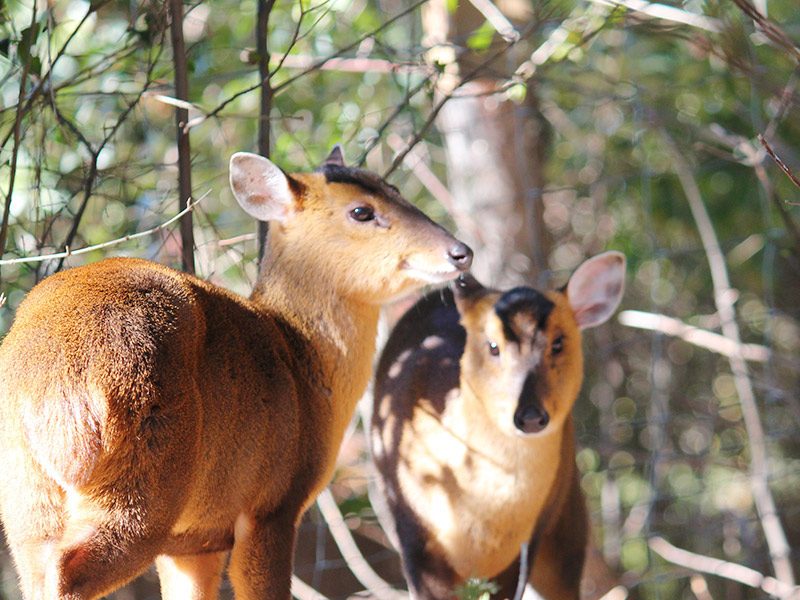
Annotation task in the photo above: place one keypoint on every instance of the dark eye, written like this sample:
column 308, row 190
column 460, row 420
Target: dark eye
column 558, row 344
column 362, row 214
column 493, row 349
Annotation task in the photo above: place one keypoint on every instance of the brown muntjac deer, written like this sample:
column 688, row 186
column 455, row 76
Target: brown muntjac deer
column 472, row 432
column 148, row 415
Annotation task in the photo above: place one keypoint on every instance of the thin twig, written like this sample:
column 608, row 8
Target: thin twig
column 16, row 133
column 374, row 583
column 781, row 164
column 774, row 534
column 472, row 74
column 90, row 180
column 696, row 336
column 313, row 67
column 774, row 33
column 69, row 252
column 722, row 568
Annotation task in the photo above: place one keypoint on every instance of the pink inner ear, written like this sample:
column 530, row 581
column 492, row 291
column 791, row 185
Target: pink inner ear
column 595, row 289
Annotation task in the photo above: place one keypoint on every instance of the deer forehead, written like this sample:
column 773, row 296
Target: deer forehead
column 340, row 186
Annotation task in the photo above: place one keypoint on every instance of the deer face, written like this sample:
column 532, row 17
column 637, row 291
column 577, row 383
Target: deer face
column 356, row 229
column 523, row 359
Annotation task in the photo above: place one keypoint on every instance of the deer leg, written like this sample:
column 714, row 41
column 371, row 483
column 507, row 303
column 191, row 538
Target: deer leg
column 195, row 577
column 261, row 560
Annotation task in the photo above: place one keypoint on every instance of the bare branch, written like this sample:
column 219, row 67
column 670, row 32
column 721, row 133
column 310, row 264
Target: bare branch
column 265, row 101
column 302, row 591
column 68, row 252
column 694, row 335
column 496, row 19
column 181, row 119
column 377, row 587
column 312, row 67
column 23, row 81
column 774, row 534
column 667, row 13
column 774, row 33
column 721, row 568
column 780, row 163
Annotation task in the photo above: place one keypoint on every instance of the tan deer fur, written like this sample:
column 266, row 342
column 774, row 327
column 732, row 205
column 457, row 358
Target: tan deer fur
column 148, row 414
column 472, row 432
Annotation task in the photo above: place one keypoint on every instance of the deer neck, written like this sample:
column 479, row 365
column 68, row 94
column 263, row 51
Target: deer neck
column 340, row 330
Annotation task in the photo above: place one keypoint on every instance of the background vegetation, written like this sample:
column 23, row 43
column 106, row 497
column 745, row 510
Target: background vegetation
column 545, row 132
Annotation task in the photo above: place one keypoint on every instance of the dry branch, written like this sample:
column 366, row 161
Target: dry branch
column 265, row 101
column 696, row 336
column 374, row 583
column 722, row 568
column 774, row 33
column 779, row 549
column 780, row 163
column 68, row 252
column 496, row 19
column 667, row 13
column 181, row 119
column 302, row 591
column 23, row 81
column 314, row 66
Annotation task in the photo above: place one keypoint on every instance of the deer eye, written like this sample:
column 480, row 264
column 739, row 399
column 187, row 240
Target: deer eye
column 558, row 345
column 362, row 214
column 493, row 349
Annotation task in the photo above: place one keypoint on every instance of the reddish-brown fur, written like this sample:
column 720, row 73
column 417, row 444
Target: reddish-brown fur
column 147, row 414
column 472, row 433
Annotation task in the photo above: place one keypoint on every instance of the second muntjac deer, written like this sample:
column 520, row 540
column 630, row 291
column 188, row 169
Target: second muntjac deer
column 147, row 415
column 472, row 432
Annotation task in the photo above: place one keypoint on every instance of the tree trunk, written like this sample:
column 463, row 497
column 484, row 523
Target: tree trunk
column 495, row 159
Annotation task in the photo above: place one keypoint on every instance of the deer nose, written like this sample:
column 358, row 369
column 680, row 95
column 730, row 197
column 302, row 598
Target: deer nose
column 531, row 419
column 460, row 255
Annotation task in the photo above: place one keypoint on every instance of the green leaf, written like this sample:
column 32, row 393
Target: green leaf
column 482, row 37
column 452, row 5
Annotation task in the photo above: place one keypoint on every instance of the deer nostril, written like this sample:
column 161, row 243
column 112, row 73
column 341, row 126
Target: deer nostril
column 460, row 255
column 531, row 419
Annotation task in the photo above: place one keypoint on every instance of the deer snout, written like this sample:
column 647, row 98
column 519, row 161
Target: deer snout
column 460, row 256
column 531, row 419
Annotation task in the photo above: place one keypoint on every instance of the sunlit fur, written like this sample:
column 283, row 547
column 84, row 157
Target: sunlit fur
column 145, row 412
column 464, row 487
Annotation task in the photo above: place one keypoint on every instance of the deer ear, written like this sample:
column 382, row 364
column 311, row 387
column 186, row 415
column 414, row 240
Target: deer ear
column 466, row 290
column 262, row 189
column 336, row 157
column 595, row 289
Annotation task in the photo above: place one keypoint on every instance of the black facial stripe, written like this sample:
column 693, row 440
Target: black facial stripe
column 522, row 299
column 370, row 182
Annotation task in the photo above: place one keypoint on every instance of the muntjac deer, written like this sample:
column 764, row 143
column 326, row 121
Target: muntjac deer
column 147, row 415
column 472, row 432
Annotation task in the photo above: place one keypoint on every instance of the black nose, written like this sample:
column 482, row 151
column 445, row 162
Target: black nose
column 531, row 419
column 460, row 255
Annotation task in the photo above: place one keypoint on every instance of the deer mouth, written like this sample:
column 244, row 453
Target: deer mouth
column 427, row 274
